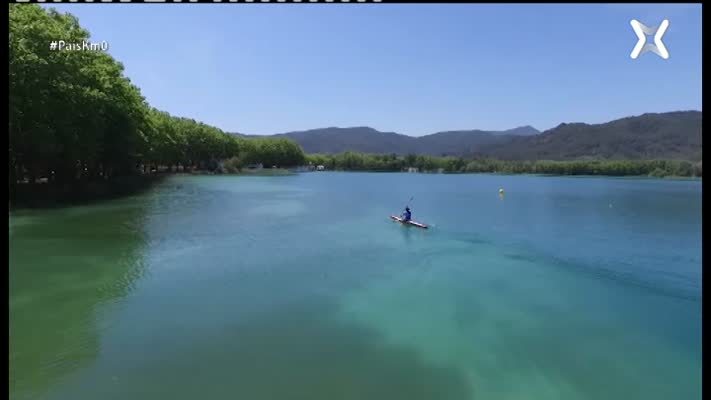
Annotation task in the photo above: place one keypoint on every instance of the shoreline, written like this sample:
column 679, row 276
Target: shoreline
column 285, row 172
column 50, row 195
column 670, row 177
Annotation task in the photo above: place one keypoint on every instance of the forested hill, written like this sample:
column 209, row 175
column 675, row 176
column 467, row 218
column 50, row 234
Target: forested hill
column 360, row 139
column 671, row 135
column 368, row 140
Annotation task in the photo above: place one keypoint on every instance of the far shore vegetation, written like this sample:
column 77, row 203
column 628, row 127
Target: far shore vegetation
column 79, row 126
column 351, row 161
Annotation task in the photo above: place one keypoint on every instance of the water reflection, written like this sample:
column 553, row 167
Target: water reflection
column 66, row 266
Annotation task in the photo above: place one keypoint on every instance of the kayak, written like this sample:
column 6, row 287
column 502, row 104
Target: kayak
column 413, row 223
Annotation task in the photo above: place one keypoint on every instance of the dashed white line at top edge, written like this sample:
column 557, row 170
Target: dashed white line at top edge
column 195, row 1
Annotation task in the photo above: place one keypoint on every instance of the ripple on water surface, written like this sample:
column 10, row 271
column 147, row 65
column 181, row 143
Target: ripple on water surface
column 217, row 287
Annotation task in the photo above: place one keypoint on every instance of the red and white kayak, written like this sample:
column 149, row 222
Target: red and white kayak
column 413, row 223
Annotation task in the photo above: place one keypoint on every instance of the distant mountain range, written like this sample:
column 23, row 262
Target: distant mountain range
column 672, row 135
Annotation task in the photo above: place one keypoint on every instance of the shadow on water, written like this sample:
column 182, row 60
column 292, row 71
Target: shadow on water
column 69, row 267
column 406, row 233
column 410, row 233
column 578, row 358
column 291, row 351
column 51, row 195
column 609, row 272
column 64, row 265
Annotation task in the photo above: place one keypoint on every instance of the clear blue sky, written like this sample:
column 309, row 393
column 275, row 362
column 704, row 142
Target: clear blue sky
column 409, row 68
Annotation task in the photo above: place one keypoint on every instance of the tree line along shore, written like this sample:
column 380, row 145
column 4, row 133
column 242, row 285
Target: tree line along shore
column 75, row 120
column 351, row 161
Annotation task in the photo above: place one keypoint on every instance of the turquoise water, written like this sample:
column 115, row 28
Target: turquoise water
column 300, row 287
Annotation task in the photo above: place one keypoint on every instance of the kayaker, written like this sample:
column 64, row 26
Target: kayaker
column 407, row 215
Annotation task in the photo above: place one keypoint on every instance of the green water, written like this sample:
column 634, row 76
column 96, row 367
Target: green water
column 300, row 287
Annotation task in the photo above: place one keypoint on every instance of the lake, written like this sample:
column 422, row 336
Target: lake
column 301, row 287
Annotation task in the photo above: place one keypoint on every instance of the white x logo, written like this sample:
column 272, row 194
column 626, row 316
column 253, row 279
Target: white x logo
column 642, row 31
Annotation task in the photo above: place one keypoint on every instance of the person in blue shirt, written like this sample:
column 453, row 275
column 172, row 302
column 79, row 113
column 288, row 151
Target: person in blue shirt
column 407, row 215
